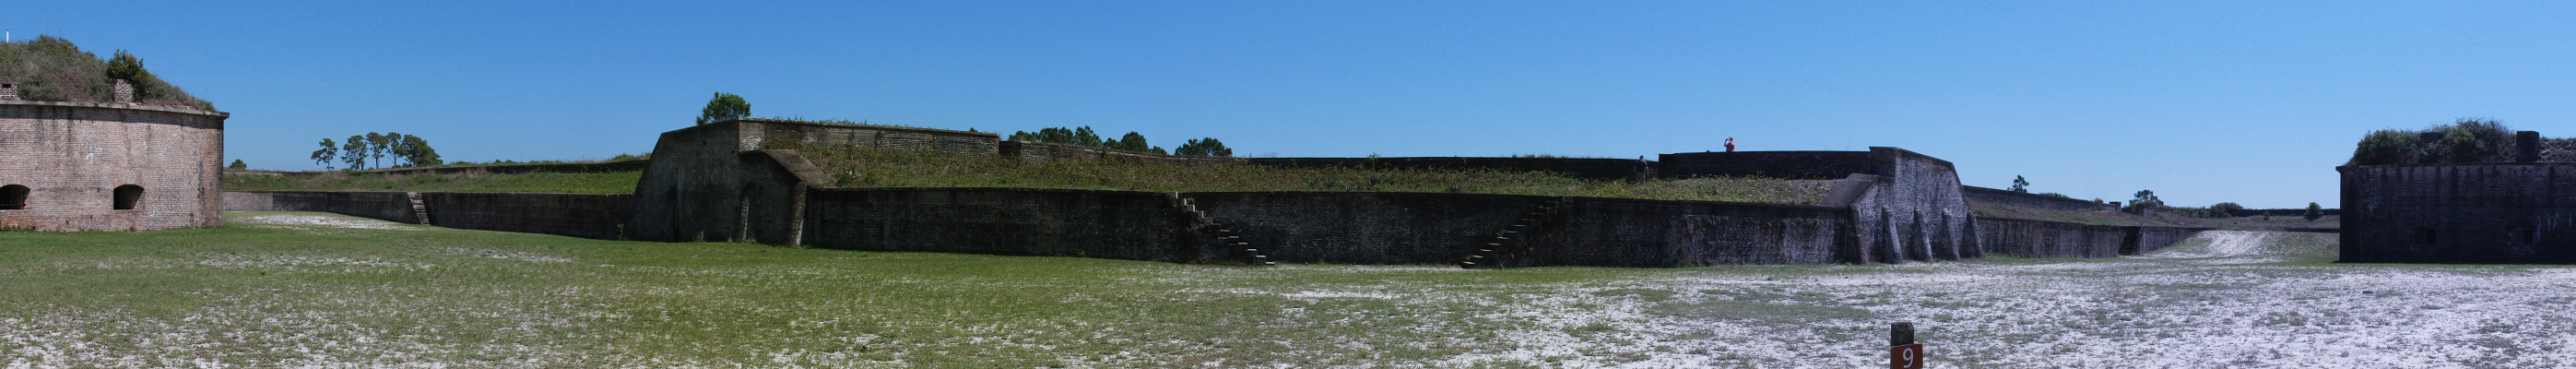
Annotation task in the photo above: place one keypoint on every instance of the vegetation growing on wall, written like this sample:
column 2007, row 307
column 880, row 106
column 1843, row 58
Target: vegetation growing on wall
column 50, row 68
column 879, row 168
column 2467, row 140
column 1084, row 136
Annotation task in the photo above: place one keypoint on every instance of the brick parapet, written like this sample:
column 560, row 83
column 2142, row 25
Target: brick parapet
column 2459, row 213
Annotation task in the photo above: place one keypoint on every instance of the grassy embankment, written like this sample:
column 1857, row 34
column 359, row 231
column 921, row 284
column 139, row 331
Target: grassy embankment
column 609, row 182
column 876, row 168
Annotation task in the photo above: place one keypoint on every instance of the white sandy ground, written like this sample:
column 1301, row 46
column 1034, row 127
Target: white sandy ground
column 2218, row 301
column 2222, row 300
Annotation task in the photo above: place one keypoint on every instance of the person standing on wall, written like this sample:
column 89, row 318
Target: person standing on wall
column 1730, row 144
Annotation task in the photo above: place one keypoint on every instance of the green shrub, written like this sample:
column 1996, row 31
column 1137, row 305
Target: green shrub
column 2387, row 146
column 2225, row 207
column 724, row 107
column 2470, row 141
column 50, row 68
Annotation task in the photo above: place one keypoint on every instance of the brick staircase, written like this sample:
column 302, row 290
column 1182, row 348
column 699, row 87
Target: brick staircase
column 1506, row 247
column 1214, row 234
column 419, row 210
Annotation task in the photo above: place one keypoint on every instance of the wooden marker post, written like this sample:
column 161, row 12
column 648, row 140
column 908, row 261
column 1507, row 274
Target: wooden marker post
column 1902, row 351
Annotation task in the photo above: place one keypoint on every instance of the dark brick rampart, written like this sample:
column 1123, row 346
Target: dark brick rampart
column 1598, row 169
column 2046, row 239
column 1013, row 221
column 2470, row 213
column 1984, row 195
column 1772, row 164
column 1364, row 227
column 579, row 215
column 387, row 206
column 1650, row 233
column 2280, row 212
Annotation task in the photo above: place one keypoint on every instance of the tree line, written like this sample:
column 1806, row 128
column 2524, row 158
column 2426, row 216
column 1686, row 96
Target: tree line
column 368, row 151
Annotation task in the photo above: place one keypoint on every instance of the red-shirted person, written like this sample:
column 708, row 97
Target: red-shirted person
column 1730, row 144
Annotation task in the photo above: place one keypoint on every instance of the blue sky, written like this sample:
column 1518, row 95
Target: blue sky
column 2203, row 102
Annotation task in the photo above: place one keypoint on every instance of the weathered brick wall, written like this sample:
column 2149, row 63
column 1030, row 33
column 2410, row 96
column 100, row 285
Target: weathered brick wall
column 1319, row 227
column 711, row 182
column 1598, row 169
column 1772, row 164
column 783, row 134
column 1364, row 227
column 1651, row 233
column 387, row 206
column 1040, row 152
column 1916, row 213
column 2281, row 212
column 2046, row 239
column 72, row 156
column 2157, row 238
column 1012, row 221
column 579, row 215
column 2475, row 213
column 1984, row 195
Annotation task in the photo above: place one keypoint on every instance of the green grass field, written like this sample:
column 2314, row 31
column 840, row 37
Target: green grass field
column 323, row 290
column 609, row 182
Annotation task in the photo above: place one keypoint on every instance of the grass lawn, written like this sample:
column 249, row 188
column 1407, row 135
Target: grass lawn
column 322, row 290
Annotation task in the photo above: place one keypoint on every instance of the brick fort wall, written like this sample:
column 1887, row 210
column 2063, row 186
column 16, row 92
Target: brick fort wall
column 72, row 156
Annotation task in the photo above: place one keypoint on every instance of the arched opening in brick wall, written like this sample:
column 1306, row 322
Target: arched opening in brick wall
column 13, row 197
column 2424, row 235
column 127, row 196
column 2519, row 236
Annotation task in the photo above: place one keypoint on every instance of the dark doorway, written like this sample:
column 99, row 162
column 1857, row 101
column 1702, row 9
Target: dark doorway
column 127, row 196
column 13, row 197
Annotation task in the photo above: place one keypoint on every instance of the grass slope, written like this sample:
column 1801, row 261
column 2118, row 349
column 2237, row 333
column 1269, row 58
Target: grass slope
column 609, row 182
column 878, row 168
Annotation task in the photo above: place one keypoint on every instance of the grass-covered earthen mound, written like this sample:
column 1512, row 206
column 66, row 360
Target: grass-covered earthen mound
column 881, row 168
column 606, row 182
column 50, row 68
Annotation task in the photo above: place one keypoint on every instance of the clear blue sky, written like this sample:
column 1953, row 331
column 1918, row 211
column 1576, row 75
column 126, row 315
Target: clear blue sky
column 2203, row 102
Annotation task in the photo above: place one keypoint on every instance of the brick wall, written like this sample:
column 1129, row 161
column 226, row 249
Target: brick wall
column 1012, row 221
column 1916, row 213
column 2046, row 239
column 387, row 206
column 72, row 156
column 2474, row 213
column 1040, row 152
column 1984, row 195
column 784, row 134
column 1651, row 233
column 1319, row 227
column 578, row 215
